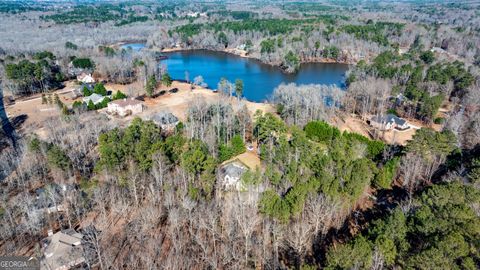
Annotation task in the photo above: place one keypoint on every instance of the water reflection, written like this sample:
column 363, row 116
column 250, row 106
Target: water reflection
column 259, row 79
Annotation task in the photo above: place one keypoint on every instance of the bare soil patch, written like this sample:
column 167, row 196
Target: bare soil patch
column 178, row 102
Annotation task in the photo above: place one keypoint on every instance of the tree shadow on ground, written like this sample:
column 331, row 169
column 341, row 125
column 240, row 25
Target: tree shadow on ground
column 358, row 221
column 8, row 134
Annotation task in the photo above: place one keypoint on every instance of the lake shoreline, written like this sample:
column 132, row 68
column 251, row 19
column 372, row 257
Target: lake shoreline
column 260, row 79
column 119, row 45
column 239, row 53
column 244, row 54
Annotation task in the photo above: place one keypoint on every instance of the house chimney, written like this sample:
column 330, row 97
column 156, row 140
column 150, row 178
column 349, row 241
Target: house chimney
column 50, row 232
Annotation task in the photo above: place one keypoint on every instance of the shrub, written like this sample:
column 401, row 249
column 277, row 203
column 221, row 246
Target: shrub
column 57, row 157
column 236, row 147
column 151, row 85
column 102, row 104
column 385, row 175
column 86, row 91
column 90, row 106
column 70, row 45
column 100, row 89
column 321, row 131
column 428, row 57
column 392, row 111
column 43, row 55
column 119, row 95
column 34, row 145
column 374, row 148
column 82, row 63
column 439, row 120
column 225, row 152
column 78, row 105
column 166, row 79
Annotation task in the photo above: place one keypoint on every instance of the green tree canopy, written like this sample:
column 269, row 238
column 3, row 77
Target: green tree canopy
column 166, row 80
column 83, row 63
column 354, row 255
column 100, row 89
column 138, row 142
column 430, row 144
column 222, row 39
column 151, row 85
column 239, row 88
column 57, row 157
column 428, row 57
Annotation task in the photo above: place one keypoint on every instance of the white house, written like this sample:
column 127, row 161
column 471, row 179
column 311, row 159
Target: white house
column 230, row 175
column 194, row 14
column 95, row 98
column 389, row 122
column 85, row 78
column 124, row 107
column 62, row 250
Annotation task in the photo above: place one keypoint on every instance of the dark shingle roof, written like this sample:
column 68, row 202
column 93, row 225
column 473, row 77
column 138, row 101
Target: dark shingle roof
column 234, row 170
column 164, row 118
column 389, row 118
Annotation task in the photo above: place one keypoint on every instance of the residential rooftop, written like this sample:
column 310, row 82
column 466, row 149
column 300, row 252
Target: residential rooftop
column 126, row 102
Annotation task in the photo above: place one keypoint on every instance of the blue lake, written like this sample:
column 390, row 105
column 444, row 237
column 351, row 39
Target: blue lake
column 259, row 79
column 133, row 46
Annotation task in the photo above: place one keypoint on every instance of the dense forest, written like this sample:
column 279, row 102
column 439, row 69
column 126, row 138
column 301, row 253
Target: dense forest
column 321, row 196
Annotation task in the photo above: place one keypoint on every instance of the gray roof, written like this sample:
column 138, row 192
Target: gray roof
column 77, row 93
column 233, row 169
column 47, row 196
column 164, row 118
column 63, row 249
column 89, row 86
column 95, row 98
column 389, row 118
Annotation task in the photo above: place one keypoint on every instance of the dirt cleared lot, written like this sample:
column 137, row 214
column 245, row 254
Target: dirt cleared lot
column 352, row 123
column 178, row 103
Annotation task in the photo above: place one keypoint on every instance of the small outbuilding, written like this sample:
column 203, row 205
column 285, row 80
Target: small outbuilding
column 62, row 250
column 124, row 107
column 389, row 122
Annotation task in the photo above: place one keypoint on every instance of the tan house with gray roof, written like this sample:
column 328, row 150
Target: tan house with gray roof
column 124, row 107
column 62, row 250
